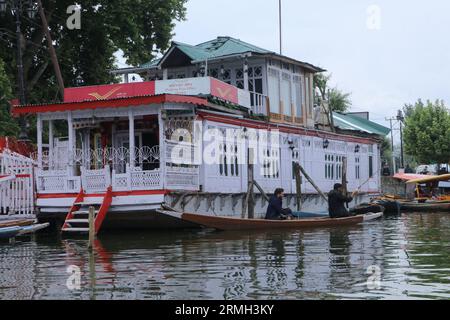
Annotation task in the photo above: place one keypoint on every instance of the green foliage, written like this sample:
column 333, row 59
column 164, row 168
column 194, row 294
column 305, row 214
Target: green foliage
column 427, row 132
column 338, row 100
column 141, row 29
column 8, row 127
column 386, row 150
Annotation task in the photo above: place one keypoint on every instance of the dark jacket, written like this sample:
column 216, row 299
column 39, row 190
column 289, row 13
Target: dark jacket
column 336, row 204
column 275, row 208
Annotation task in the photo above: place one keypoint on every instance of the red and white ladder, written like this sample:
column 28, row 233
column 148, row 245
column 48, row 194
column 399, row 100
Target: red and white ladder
column 77, row 220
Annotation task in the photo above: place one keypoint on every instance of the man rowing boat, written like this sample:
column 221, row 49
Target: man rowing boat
column 337, row 201
column 275, row 209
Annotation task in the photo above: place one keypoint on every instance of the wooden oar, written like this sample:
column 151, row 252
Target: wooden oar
column 359, row 189
column 303, row 171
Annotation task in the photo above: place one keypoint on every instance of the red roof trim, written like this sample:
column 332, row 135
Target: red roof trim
column 103, row 104
column 285, row 129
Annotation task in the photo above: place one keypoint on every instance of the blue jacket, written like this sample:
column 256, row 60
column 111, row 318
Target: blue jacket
column 275, row 208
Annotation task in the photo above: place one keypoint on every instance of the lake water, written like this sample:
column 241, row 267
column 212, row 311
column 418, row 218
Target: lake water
column 407, row 257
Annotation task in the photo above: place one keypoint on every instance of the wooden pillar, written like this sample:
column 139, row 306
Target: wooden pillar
column 113, row 135
column 71, row 134
column 246, row 86
column 39, row 140
column 162, row 150
column 250, row 174
column 50, row 142
column 132, row 138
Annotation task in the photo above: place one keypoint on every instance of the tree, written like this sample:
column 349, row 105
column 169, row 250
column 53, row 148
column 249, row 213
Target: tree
column 386, row 150
column 141, row 29
column 427, row 132
column 8, row 127
column 338, row 100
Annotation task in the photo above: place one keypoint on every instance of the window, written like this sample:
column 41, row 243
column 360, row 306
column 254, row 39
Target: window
column 271, row 164
column 357, row 168
column 214, row 72
column 329, row 166
column 309, row 94
column 370, row 166
column 226, row 76
column 240, row 78
column 274, row 90
column 255, row 82
column 229, row 165
column 286, row 93
column 298, row 96
column 339, row 160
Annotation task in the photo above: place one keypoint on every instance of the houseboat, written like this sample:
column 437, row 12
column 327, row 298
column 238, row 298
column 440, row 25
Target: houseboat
column 186, row 134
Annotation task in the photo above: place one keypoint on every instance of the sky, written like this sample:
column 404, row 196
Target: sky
column 385, row 53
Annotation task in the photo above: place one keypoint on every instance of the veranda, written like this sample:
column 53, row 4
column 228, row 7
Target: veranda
column 127, row 146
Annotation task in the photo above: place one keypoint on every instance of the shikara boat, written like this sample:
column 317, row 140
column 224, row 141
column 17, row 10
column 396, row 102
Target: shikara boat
column 32, row 229
column 305, row 215
column 430, row 206
column 9, row 232
column 21, row 230
column 391, row 206
column 16, row 223
column 235, row 224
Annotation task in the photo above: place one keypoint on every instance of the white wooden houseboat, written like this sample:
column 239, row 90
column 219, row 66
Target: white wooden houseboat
column 131, row 147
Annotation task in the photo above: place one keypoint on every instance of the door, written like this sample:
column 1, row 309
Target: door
column 123, row 141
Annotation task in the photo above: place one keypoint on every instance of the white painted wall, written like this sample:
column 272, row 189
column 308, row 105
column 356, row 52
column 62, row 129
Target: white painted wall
column 312, row 158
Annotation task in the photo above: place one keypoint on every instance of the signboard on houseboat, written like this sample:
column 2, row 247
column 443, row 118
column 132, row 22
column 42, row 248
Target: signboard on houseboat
column 106, row 92
column 189, row 86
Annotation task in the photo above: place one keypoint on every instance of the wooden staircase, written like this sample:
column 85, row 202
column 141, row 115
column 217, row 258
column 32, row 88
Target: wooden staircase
column 77, row 220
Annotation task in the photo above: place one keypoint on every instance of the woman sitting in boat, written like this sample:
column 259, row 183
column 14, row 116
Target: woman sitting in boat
column 275, row 209
column 337, row 201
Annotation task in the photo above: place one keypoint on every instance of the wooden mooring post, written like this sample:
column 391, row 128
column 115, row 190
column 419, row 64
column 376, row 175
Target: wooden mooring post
column 298, row 184
column 303, row 171
column 91, row 227
column 344, row 175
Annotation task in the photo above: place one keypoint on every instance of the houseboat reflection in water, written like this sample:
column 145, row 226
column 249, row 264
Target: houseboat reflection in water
column 311, row 264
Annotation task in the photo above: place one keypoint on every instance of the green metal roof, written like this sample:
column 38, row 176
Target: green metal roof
column 150, row 64
column 217, row 48
column 194, row 52
column 225, row 46
column 352, row 122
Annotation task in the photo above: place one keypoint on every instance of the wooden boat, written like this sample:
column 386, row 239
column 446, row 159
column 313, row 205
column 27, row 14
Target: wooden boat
column 429, row 206
column 429, row 179
column 9, row 232
column 305, row 215
column 390, row 206
column 32, row 229
column 366, row 208
column 235, row 224
column 16, row 223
